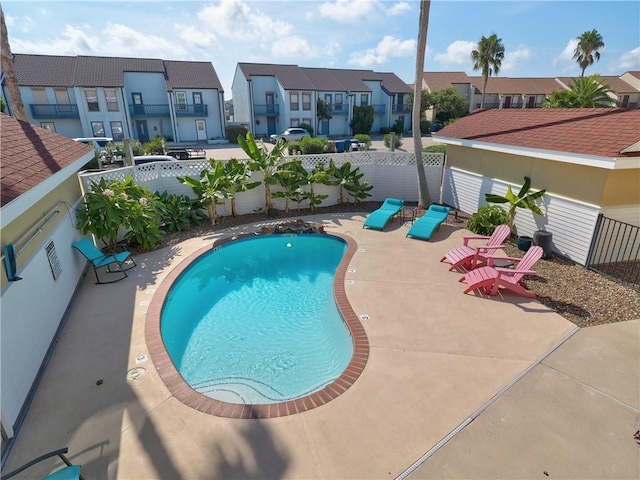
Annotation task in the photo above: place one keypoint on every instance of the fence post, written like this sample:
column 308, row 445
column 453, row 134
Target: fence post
column 594, row 241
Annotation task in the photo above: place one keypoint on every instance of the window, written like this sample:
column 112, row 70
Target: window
column 338, row 104
column 62, row 99
column 364, row 99
column 197, row 102
column 307, row 121
column 112, row 100
column 116, row 131
column 507, row 102
column 181, row 100
column 138, row 104
column 49, row 126
column 92, row 99
column 98, row 129
column 306, row 101
column 625, row 101
column 294, row 98
column 295, row 122
column 531, row 102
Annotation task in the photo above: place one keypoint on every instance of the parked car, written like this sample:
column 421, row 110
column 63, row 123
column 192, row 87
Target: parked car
column 290, row 134
column 142, row 159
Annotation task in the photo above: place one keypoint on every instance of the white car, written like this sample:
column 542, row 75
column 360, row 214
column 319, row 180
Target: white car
column 292, row 133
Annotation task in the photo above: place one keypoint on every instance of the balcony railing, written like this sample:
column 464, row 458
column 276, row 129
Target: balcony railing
column 54, row 110
column 337, row 108
column 400, row 108
column 149, row 110
column 183, row 110
column 270, row 110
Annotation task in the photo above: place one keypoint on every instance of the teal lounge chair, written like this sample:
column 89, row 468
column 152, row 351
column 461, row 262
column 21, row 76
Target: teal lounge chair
column 424, row 226
column 380, row 217
column 99, row 260
column 69, row 472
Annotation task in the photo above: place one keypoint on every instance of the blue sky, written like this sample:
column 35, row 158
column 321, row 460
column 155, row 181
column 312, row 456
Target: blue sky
column 539, row 36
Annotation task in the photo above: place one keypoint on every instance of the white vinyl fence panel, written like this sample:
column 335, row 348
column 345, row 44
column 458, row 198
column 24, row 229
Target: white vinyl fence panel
column 571, row 223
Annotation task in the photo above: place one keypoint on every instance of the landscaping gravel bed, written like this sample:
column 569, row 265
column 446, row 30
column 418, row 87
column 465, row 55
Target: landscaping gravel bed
column 582, row 296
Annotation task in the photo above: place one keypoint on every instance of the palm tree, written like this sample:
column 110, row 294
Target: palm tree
column 424, row 198
column 585, row 92
column 586, row 52
column 488, row 57
column 17, row 107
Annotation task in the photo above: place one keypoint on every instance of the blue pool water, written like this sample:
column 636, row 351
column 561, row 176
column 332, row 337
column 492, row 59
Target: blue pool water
column 255, row 321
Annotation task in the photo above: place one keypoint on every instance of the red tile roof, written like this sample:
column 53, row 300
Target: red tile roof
column 588, row 131
column 29, row 155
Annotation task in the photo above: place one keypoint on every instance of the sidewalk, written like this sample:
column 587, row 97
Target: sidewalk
column 574, row 415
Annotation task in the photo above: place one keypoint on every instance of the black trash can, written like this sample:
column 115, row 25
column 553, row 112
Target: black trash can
column 543, row 239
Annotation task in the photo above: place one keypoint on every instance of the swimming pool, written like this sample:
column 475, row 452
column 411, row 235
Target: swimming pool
column 295, row 349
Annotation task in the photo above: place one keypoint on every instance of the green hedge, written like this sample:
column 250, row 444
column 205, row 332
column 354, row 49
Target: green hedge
column 235, row 130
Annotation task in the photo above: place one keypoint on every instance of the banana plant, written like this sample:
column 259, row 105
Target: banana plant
column 291, row 177
column 211, row 188
column 359, row 191
column 321, row 176
column 341, row 176
column 265, row 161
column 525, row 200
column 237, row 174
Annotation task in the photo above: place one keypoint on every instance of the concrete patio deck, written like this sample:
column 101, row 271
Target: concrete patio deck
column 437, row 356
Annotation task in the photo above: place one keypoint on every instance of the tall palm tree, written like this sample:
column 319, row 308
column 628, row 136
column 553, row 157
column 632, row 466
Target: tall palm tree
column 17, row 107
column 586, row 52
column 424, row 198
column 488, row 56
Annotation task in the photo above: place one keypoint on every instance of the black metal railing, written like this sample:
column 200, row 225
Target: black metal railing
column 186, row 110
column 149, row 110
column 269, row 109
column 615, row 251
column 399, row 108
column 54, row 110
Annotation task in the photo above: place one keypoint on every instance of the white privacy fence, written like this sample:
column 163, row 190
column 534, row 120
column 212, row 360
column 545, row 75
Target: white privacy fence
column 392, row 174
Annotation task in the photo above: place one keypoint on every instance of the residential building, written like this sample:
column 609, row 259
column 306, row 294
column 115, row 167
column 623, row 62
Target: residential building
column 508, row 92
column 40, row 191
column 138, row 98
column 272, row 97
column 584, row 173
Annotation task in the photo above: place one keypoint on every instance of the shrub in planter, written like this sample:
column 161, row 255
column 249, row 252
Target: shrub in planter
column 293, row 147
column 155, row 146
column 313, row 145
column 488, row 217
column 387, row 141
column 364, row 140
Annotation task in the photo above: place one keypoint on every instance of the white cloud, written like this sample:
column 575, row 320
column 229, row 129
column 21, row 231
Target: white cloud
column 124, row 40
column 292, row 47
column 388, row 48
column 629, row 61
column 352, row 11
column 45, row 12
column 567, row 53
column 457, row 53
column 195, row 36
column 514, row 58
column 235, row 19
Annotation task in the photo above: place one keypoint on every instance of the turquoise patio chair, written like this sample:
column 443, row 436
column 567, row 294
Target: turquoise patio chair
column 424, row 226
column 70, row 472
column 99, row 260
column 379, row 218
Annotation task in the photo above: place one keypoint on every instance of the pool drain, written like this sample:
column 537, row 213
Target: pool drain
column 135, row 374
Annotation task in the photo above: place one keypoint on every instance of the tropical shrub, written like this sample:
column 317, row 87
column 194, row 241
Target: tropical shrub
column 362, row 120
column 486, row 219
column 179, row 212
column 313, row 145
column 233, row 131
column 348, row 180
column 109, row 207
column 364, row 140
column 237, row 176
column 397, row 143
column 385, row 130
column 210, row 188
column 435, row 149
column 155, row 146
column 307, row 127
column 398, row 126
column 294, row 147
column 525, row 200
column 425, row 127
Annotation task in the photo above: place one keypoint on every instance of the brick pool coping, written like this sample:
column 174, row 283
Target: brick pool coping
column 183, row 392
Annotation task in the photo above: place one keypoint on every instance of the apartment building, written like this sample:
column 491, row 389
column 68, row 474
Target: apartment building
column 139, row 98
column 272, row 97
